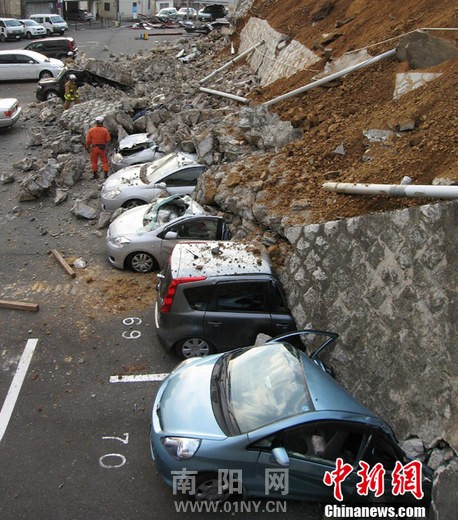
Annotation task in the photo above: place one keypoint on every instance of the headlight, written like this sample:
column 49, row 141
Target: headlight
column 181, row 447
column 117, row 157
column 119, row 241
column 111, row 193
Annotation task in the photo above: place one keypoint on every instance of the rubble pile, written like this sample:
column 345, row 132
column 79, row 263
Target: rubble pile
column 164, row 100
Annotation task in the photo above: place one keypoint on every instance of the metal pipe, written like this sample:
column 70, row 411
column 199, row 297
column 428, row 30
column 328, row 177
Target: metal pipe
column 331, row 77
column 224, row 94
column 229, row 63
column 394, row 190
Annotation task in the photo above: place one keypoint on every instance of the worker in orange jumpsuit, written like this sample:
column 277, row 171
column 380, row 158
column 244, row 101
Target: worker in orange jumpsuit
column 96, row 140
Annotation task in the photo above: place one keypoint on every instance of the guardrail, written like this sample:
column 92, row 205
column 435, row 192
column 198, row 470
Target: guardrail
column 75, row 25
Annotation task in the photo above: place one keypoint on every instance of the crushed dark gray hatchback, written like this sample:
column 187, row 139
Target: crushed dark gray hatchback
column 217, row 296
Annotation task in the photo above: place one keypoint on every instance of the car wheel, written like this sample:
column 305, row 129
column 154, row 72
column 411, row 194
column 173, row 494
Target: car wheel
column 28, row 35
column 48, row 32
column 207, row 489
column 52, row 94
column 194, row 347
column 45, row 74
column 142, row 263
column 2, row 38
column 133, row 203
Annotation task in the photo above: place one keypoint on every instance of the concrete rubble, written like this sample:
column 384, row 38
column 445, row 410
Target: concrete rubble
column 164, row 99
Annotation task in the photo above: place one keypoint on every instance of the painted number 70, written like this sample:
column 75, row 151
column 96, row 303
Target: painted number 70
column 114, row 460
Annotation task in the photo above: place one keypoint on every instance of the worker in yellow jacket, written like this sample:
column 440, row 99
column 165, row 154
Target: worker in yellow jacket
column 71, row 92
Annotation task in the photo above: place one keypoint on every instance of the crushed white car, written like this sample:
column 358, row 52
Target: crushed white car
column 142, row 238
column 135, row 149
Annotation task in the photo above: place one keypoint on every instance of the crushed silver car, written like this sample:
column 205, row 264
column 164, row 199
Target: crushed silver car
column 140, row 184
column 142, row 238
column 135, row 149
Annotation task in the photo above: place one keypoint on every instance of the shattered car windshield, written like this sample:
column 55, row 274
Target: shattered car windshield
column 259, row 386
column 165, row 210
column 155, row 172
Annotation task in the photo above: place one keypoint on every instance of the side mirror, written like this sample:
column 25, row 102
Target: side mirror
column 280, row 456
column 171, row 235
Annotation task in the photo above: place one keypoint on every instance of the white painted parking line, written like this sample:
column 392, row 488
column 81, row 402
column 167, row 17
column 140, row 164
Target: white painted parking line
column 16, row 384
column 138, row 378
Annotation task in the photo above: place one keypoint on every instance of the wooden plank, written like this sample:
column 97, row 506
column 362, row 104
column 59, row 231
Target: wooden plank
column 22, row 306
column 63, row 263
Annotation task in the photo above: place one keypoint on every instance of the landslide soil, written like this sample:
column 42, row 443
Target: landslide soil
column 338, row 114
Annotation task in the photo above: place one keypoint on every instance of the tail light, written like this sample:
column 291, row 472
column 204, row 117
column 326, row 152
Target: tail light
column 172, row 289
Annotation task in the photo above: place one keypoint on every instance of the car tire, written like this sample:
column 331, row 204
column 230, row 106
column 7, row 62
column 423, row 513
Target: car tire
column 207, row 489
column 48, row 32
column 28, row 35
column 194, row 347
column 2, row 38
column 44, row 74
column 133, row 203
column 142, row 262
column 51, row 94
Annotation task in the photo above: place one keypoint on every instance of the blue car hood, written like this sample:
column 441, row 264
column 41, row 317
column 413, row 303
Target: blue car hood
column 185, row 405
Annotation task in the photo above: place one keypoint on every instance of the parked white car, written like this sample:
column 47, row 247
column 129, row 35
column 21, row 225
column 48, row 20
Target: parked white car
column 10, row 29
column 53, row 23
column 136, row 185
column 167, row 13
column 9, row 112
column 17, row 64
column 32, row 29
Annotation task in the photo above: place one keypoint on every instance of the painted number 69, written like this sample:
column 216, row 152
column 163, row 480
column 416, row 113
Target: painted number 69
column 131, row 334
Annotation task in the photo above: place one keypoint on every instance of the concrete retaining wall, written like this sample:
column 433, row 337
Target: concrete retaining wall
column 386, row 283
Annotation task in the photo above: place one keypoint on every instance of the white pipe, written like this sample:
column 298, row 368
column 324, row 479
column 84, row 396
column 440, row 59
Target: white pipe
column 229, row 63
column 224, row 94
column 394, row 190
column 331, row 77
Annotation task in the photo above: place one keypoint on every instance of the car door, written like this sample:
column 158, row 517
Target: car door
column 282, row 319
column 192, row 228
column 238, row 313
column 26, row 67
column 383, row 450
column 312, row 449
column 7, row 67
column 183, row 181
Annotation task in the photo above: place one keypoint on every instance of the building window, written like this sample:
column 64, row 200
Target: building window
column 106, row 6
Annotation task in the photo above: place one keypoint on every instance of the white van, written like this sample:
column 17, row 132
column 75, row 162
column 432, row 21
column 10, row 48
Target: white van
column 53, row 23
column 11, row 29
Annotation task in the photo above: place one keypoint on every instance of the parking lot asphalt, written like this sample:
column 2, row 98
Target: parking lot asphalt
column 74, row 441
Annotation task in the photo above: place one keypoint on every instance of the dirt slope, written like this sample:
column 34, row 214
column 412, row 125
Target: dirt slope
column 337, row 115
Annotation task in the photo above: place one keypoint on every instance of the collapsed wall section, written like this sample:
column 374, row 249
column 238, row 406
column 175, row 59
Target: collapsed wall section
column 386, row 284
column 279, row 57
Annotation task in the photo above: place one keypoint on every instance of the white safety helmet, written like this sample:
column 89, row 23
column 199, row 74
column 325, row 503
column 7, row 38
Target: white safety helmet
column 69, row 53
column 99, row 120
column 72, row 76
